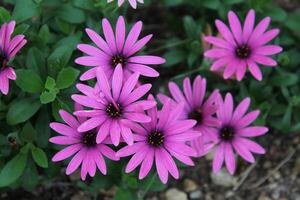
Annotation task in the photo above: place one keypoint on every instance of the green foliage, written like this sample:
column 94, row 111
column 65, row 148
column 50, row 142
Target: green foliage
column 47, row 74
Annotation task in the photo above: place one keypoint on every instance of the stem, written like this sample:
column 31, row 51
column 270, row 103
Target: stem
column 171, row 45
column 148, row 187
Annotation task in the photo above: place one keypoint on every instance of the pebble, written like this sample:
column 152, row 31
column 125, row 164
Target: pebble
column 189, row 185
column 223, row 178
column 175, row 194
column 196, row 194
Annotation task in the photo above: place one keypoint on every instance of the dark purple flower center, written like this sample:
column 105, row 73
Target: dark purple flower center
column 156, row 139
column 243, row 51
column 3, row 60
column 118, row 59
column 113, row 111
column 196, row 115
column 89, row 138
column 227, row 133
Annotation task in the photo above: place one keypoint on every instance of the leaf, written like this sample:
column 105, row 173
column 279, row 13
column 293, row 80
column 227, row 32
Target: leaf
column 42, row 127
column 29, row 81
column 39, row 157
column 28, row 133
column 35, row 60
column 173, row 57
column 4, row 15
column 47, row 97
column 13, row 169
column 70, row 14
column 44, row 33
column 25, row 9
column 284, row 79
column 125, row 194
column 66, row 77
column 21, row 110
column 50, row 83
column 29, row 179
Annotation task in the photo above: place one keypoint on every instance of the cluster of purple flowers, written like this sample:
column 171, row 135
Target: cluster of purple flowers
column 116, row 109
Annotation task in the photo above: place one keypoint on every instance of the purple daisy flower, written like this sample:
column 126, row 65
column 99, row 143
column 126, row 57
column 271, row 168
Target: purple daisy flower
column 8, row 49
column 116, row 49
column 133, row 3
column 83, row 146
column 244, row 48
column 113, row 102
column 196, row 108
column 165, row 136
column 234, row 132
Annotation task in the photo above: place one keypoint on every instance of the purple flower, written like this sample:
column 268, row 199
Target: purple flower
column 244, row 48
column 8, row 49
column 196, row 108
column 157, row 141
column 234, row 132
column 83, row 146
column 116, row 100
column 133, row 3
column 115, row 50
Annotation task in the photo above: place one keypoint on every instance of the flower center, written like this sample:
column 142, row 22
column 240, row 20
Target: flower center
column 243, row 51
column 156, row 139
column 196, row 115
column 89, row 138
column 114, row 112
column 227, row 133
column 118, row 59
column 2, row 60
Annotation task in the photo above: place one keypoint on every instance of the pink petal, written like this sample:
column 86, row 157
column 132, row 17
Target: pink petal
column 69, row 119
column 108, row 152
column 63, row 129
column 217, row 53
column 243, row 151
column 254, row 70
column 89, row 61
column 139, row 45
column 247, row 119
column 132, row 37
column 169, row 163
column 63, row 140
column 127, row 135
column 225, row 32
column 146, row 164
column 103, row 83
column 86, row 101
column 266, row 37
column 109, row 35
column 147, row 60
column 253, row 131
column 219, row 42
column 235, row 26
column 137, row 117
column 259, row 29
column 143, row 70
column 229, row 158
column 252, row 146
column 218, row 158
column 187, row 89
column 248, row 25
column 98, row 41
column 136, row 159
column 241, row 109
column 120, row 33
column 268, row 50
column 241, row 70
column 161, row 169
column 129, row 150
column 75, row 162
column 66, row 152
column 115, row 132
column 117, row 81
column 230, row 69
column 128, row 86
column 91, row 123
column 93, row 52
column 137, row 94
column 219, row 63
column 100, row 162
column 103, row 131
column 180, row 148
column 4, row 83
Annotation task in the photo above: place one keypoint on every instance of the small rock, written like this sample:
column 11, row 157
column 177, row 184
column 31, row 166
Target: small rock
column 223, row 178
column 175, row 194
column 196, row 195
column 189, row 185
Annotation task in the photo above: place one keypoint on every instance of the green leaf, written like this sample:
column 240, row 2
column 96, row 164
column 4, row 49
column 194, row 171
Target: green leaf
column 232, row 1
column 50, row 83
column 13, row 170
column 21, row 29
column 42, row 127
column 21, row 110
column 173, row 57
column 4, row 15
column 29, row 81
column 70, row 14
column 25, row 9
column 125, row 194
column 28, row 133
column 35, row 60
column 29, row 179
column 44, row 33
column 284, row 79
column 48, row 96
column 66, row 77
column 39, row 157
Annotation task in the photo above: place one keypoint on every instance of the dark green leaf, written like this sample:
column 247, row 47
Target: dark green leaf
column 25, row 9
column 13, row 170
column 29, row 81
column 39, row 157
column 22, row 110
column 66, row 77
column 28, row 133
